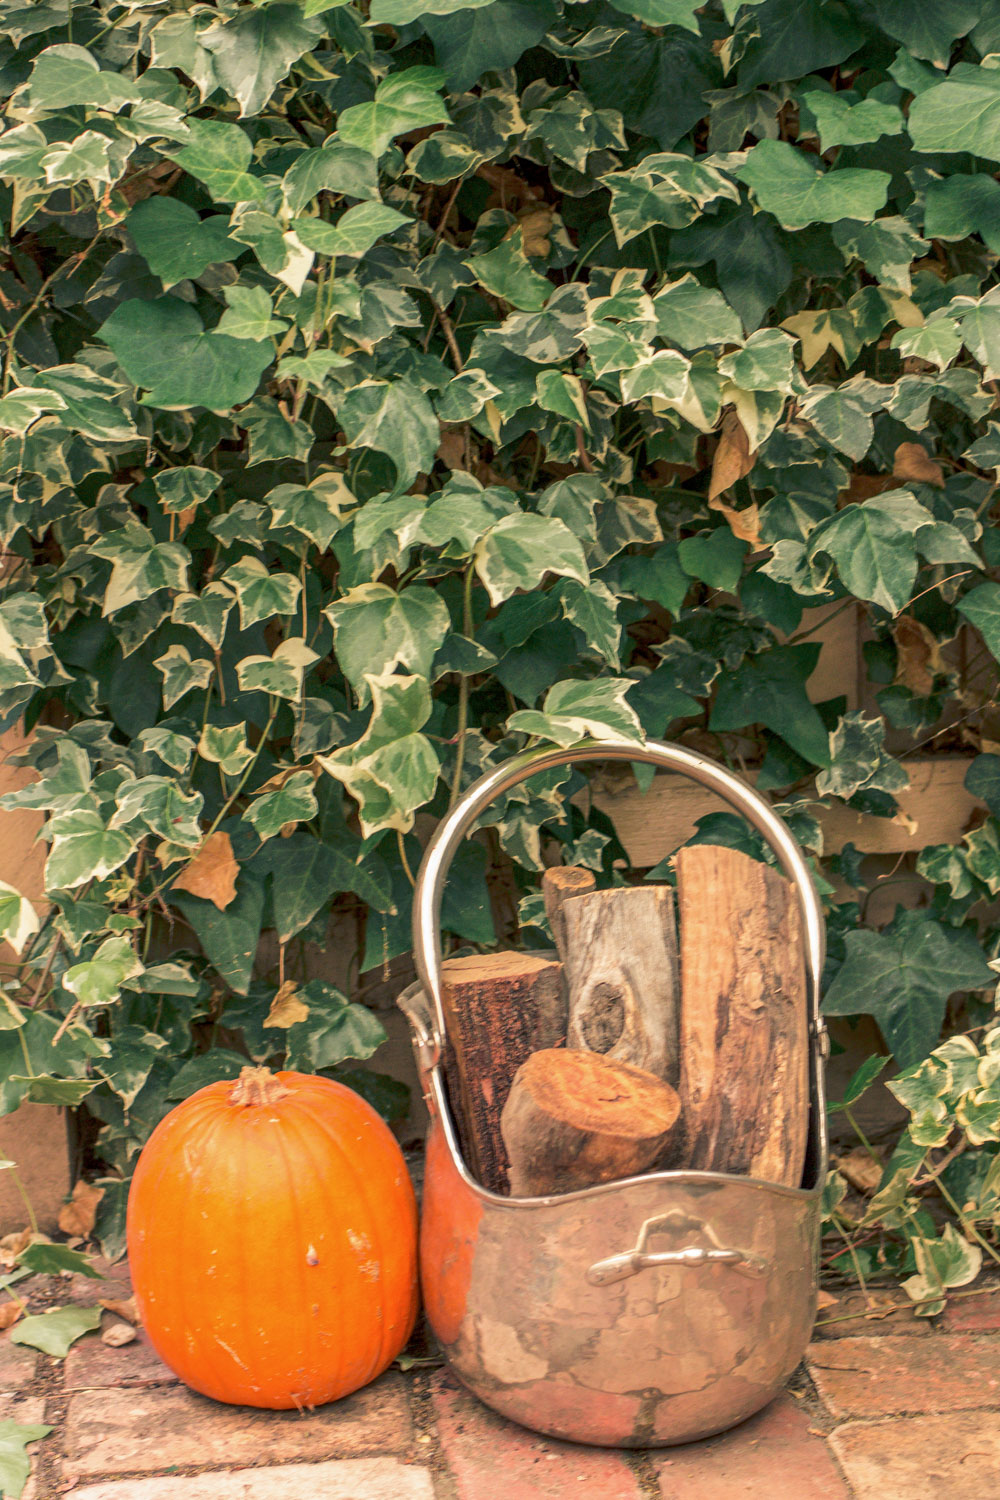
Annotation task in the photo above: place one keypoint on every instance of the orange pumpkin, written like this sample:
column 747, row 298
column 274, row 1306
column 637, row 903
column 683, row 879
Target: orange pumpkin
column 272, row 1237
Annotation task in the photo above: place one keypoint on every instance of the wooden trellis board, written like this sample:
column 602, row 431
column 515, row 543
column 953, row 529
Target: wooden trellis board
column 934, row 809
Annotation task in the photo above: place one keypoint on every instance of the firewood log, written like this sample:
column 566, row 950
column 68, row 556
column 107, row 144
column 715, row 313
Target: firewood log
column 574, row 1119
column 744, row 1038
column 558, row 885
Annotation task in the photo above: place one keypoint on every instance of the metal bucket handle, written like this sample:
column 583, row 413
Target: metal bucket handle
column 429, row 1025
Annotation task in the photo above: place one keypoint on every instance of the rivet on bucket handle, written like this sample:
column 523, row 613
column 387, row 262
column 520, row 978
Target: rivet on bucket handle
column 429, row 1026
column 630, row 1262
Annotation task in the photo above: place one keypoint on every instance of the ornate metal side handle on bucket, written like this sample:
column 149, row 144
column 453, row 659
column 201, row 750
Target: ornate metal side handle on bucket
column 620, row 1267
column 429, row 1028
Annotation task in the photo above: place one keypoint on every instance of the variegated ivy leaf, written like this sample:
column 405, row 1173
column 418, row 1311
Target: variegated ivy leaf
column 573, row 711
column 156, row 804
column 981, row 606
column 395, row 418
column 354, row 233
column 507, row 273
column 227, row 746
column 294, row 801
column 593, row 609
column 961, row 113
column 218, row 154
column 950, row 1261
column 377, row 629
column 20, row 408
column 402, row 12
column 662, row 375
column 392, row 770
column 765, row 363
column 462, row 511
column 668, row 189
column 518, row 550
column 140, row 565
column 564, row 395
column 253, row 50
column 98, row 980
column 692, row 316
column 281, row 674
column 67, row 75
column 261, row 595
column 317, row 510
column 83, row 848
column 88, row 403
column 249, row 314
column 938, row 341
column 174, row 748
column 18, row 918
column 181, row 673
column 279, row 250
column 333, row 167
column 858, row 760
column 185, row 488
column 662, row 12
column 207, row 612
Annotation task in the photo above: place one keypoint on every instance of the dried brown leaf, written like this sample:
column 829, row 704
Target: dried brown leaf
column 912, row 461
column 78, row 1215
column 733, row 459
column 862, row 1171
column 743, row 523
column 123, row 1307
column 825, row 1300
column 918, row 655
column 11, row 1246
column 9, row 1314
column 286, row 1007
column 212, row 873
column 117, row 1335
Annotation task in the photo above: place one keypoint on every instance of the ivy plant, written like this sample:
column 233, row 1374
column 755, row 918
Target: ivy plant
column 389, row 385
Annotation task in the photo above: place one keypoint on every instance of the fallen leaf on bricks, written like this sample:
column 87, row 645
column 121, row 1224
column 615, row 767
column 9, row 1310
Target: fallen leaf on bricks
column 286, row 1007
column 825, row 1300
column 124, row 1307
column 117, row 1335
column 9, row 1314
column 11, row 1246
column 77, row 1217
column 212, row 873
column 912, row 461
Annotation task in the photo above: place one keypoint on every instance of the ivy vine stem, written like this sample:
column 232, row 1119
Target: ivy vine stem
column 461, row 733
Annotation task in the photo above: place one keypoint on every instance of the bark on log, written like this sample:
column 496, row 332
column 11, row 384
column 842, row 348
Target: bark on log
column 574, row 1119
column 744, row 1031
column 558, row 885
column 621, row 971
column 499, row 1008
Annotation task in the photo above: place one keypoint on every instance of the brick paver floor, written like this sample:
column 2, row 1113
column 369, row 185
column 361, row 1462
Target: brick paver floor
column 884, row 1407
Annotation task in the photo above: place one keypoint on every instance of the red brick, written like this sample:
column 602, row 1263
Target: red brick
column 144, row 1431
column 979, row 1314
column 92, row 1363
column 870, row 1377
column 18, row 1364
column 488, row 1456
column 921, row 1458
column 772, row 1454
column 344, row 1479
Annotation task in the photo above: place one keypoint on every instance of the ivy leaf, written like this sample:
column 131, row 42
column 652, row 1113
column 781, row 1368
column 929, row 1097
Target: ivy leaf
column 763, row 364
column 226, row 746
column 403, row 101
column 253, row 50
column 903, row 977
column 938, row 341
column 294, row 801
column 507, row 273
column 402, row 12
column 316, row 510
column 928, row 28
column 174, row 242
column 518, row 550
column 666, row 189
column 218, row 154
column 162, row 347
column 982, row 780
column 796, row 190
column 656, row 81
column 473, row 40
column 185, row 488
column 395, row 418
column 66, row 75
column 229, row 938
column 662, row 12
column 354, row 233
column 885, row 247
column 377, row 630
column 572, row 711
column 305, row 875
column 281, row 674
column 83, row 848
column 53, row 1332
column 968, row 203
column 392, row 769
column 18, row 918
column 770, row 689
column 843, row 123
column 15, row 1465
column 981, row 606
column 962, row 113
column 140, row 566
column 782, row 39
column 334, row 168
column 181, row 674
column 261, row 594
column 335, row 1030
column 593, row 609
column 249, row 314
column 716, row 557
column 873, row 547
column 156, row 804
column 858, row 760
column 206, row 613
column 693, row 316
column 98, row 981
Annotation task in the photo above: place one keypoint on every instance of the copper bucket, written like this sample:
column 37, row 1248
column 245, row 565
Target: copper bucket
column 640, row 1313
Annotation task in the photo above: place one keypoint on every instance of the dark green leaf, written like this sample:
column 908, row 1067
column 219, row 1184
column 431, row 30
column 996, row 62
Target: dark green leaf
column 470, row 41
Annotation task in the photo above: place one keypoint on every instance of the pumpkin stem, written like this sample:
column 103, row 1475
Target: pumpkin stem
column 257, row 1086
